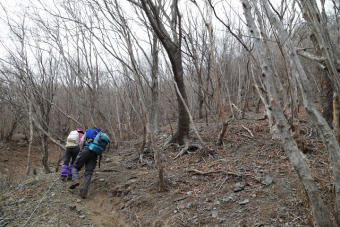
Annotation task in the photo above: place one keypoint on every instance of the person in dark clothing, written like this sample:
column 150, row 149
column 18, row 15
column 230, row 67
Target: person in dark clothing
column 87, row 157
column 71, row 152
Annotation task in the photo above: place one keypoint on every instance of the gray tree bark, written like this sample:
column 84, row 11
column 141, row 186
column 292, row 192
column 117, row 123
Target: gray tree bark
column 173, row 49
column 315, row 116
column 326, row 87
column 296, row 157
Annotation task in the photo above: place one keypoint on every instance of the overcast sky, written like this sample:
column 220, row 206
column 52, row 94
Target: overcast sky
column 16, row 8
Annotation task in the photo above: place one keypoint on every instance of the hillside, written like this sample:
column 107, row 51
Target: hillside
column 246, row 182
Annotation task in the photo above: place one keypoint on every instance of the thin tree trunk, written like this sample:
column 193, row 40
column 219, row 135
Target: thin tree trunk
column 30, row 140
column 172, row 45
column 119, row 122
column 11, row 131
column 44, row 153
column 336, row 114
column 318, row 24
column 326, row 87
column 297, row 159
column 200, row 96
column 305, row 88
column 154, row 85
column 217, row 85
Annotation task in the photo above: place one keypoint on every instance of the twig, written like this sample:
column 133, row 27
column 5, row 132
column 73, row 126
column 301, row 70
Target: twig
column 180, row 199
column 225, row 179
column 237, row 109
column 248, row 130
column 107, row 170
column 40, row 201
column 204, row 173
column 220, row 171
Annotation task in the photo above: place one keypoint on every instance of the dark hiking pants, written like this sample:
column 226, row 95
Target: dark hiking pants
column 89, row 159
column 71, row 155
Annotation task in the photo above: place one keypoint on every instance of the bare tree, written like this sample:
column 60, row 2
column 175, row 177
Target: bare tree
column 320, row 211
column 172, row 44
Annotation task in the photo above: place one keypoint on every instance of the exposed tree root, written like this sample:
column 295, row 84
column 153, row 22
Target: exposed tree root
column 238, row 175
column 204, row 173
column 187, row 149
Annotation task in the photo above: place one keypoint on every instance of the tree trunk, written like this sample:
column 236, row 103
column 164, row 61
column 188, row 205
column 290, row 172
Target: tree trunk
column 336, row 114
column 326, row 87
column 297, row 159
column 307, row 95
column 213, row 64
column 173, row 49
column 200, row 96
column 326, row 98
column 11, row 131
column 183, row 122
column 30, row 139
column 317, row 22
column 154, row 85
column 44, row 153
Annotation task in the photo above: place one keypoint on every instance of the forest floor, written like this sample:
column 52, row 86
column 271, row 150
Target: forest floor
column 246, row 182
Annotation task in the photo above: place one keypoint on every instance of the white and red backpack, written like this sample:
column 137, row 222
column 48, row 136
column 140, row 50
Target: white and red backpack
column 73, row 139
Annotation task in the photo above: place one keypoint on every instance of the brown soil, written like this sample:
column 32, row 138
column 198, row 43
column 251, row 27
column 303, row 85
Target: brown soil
column 13, row 160
column 124, row 192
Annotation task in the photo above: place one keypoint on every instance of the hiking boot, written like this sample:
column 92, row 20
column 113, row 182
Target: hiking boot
column 69, row 173
column 74, row 184
column 63, row 178
column 83, row 194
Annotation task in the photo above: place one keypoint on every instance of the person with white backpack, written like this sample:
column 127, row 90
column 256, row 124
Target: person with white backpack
column 71, row 152
column 93, row 144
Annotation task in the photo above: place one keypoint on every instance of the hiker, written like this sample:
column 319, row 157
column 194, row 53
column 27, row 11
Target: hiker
column 71, row 152
column 93, row 144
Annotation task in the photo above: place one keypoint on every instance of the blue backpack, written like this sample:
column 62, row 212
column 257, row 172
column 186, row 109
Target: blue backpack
column 99, row 143
column 91, row 133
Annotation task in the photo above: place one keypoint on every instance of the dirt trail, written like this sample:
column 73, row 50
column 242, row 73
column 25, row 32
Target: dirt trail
column 246, row 182
column 103, row 212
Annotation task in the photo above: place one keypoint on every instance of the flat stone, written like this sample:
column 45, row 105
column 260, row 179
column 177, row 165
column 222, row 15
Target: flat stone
column 225, row 200
column 221, row 220
column 267, row 181
column 101, row 179
column 82, row 216
column 214, row 214
column 244, row 202
column 20, row 186
column 189, row 205
column 239, row 186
